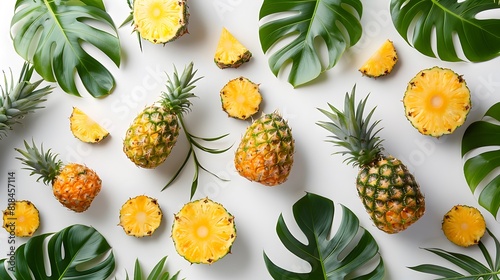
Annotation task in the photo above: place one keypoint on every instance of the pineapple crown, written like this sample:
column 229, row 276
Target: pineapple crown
column 17, row 100
column 40, row 162
column 353, row 132
column 179, row 90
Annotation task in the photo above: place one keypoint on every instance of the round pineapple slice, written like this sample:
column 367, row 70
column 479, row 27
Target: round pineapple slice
column 240, row 98
column 464, row 225
column 203, row 231
column 161, row 21
column 140, row 216
column 437, row 101
column 86, row 129
column 230, row 53
column 381, row 62
column 21, row 218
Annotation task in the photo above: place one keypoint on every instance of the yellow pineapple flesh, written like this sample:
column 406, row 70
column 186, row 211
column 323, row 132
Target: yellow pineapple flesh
column 464, row 225
column 230, row 53
column 381, row 62
column 21, row 218
column 203, row 231
column 140, row 216
column 240, row 98
column 160, row 21
column 437, row 101
column 85, row 128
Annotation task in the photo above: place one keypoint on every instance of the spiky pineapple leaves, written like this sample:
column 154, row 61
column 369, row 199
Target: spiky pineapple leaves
column 156, row 274
column 483, row 136
column 76, row 252
column 330, row 255
column 476, row 269
column 51, row 35
column 418, row 20
column 335, row 22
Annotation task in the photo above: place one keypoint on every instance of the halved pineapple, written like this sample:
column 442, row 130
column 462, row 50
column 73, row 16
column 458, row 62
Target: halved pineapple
column 85, row 128
column 21, row 218
column 230, row 53
column 240, row 98
column 161, row 21
column 203, row 231
column 464, row 225
column 140, row 216
column 381, row 62
column 437, row 101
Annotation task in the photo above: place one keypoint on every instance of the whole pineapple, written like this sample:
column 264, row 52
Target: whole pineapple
column 265, row 154
column 17, row 100
column 389, row 192
column 74, row 185
column 154, row 132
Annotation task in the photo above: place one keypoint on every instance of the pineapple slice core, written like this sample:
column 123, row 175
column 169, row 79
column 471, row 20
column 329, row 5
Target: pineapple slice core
column 203, row 231
column 86, row 129
column 464, row 225
column 21, row 218
column 140, row 216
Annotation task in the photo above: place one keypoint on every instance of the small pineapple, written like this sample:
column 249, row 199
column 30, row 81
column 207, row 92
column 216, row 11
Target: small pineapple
column 230, row 53
column 86, row 129
column 160, row 21
column 437, row 101
column 203, row 231
column 381, row 62
column 74, row 185
column 464, row 225
column 18, row 100
column 265, row 154
column 240, row 98
column 387, row 189
column 21, row 218
column 140, row 216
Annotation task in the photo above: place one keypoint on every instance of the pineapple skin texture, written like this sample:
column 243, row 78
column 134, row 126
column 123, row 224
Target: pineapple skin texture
column 265, row 154
column 151, row 137
column 76, row 186
column 390, row 194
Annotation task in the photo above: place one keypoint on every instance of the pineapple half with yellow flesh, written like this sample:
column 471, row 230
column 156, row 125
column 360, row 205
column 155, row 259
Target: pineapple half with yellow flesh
column 140, row 216
column 85, row 128
column 464, row 225
column 21, row 218
column 74, row 185
column 160, row 21
column 437, row 101
column 389, row 192
column 381, row 62
column 230, row 53
column 203, row 231
column 240, row 98
column 265, row 153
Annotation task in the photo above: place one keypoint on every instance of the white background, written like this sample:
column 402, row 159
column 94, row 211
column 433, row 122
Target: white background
column 436, row 163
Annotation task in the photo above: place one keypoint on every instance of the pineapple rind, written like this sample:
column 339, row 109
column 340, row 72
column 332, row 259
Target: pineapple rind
column 86, row 129
column 464, row 225
column 265, row 153
column 21, row 218
column 240, row 98
column 203, row 231
column 140, row 216
column 381, row 62
column 437, row 101
column 230, row 53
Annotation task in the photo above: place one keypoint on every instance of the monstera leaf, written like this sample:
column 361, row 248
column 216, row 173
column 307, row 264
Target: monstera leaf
column 479, row 38
column 330, row 258
column 50, row 34
column 484, row 136
column 77, row 252
column 336, row 22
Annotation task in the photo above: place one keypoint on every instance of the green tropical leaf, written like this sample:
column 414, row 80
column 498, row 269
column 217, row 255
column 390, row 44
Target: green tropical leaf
column 484, row 136
column 336, row 22
column 474, row 268
column 156, row 274
column 76, row 252
column 330, row 255
column 479, row 38
column 50, row 34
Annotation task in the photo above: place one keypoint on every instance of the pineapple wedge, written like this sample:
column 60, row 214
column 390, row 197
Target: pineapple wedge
column 230, row 53
column 381, row 62
column 85, row 128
